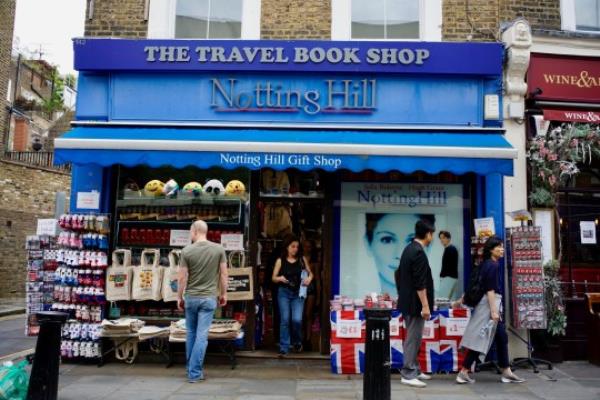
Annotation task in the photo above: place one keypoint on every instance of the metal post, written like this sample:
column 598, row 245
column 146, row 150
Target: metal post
column 43, row 384
column 377, row 379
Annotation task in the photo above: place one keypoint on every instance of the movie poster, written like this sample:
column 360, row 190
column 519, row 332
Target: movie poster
column 378, row 221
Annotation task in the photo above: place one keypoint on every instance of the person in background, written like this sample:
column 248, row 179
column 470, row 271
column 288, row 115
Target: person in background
column 486, row 326
column 449, row 273
column 288, row 275
column 415, row 300
column 202, row 285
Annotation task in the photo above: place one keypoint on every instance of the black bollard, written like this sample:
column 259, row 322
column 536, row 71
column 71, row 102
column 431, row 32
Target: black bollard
column 376, row 381
column 43, row 383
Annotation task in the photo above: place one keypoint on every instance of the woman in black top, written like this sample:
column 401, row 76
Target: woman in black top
column 291, row 272
column 486, row 316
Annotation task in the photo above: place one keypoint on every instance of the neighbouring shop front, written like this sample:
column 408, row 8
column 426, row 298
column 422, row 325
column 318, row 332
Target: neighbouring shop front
column 564, row 110
column 343, row 144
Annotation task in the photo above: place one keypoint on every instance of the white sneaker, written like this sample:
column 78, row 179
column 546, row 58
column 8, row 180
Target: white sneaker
column 512, row 378
column 413, row 382
column 424, row 377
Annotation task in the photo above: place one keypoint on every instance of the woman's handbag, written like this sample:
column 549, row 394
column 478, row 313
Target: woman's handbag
column 147, row 278
column 118, row 276
column 241, row 278
column 171, row 277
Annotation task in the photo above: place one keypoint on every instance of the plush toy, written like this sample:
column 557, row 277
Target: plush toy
column 235, row 188
column 214, row 187
column 171, row 188
column 154, row 188
column 193, row 188
column 131, row 189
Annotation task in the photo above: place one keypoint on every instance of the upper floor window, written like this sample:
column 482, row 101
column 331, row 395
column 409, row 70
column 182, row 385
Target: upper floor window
column 580, row 15
column 204, row 19
column 208, row 19
column 587, row 15
column 386, row 20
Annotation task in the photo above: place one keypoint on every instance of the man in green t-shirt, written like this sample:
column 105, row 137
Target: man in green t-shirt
column 202, row 281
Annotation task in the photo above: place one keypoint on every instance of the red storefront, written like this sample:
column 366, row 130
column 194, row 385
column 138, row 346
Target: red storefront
column 566, row 90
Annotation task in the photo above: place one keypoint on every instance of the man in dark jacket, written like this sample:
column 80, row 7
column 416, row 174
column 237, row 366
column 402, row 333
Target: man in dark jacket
column 449, row 273
column 415, row 300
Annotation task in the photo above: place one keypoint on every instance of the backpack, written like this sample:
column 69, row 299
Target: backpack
column 475, row 290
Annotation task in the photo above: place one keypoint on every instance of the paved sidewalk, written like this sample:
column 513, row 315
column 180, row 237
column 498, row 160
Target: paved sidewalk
column 289, row 379
column 13, row 342
column 12, row 306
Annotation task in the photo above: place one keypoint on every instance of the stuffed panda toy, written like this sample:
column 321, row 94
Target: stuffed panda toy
column 214, row 187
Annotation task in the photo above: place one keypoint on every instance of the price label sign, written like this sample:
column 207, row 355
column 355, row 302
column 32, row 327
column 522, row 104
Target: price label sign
column 180, row 238
column 88, row 200
column 46, row 227
column 232, row 241
column 349, row 329
column 456, row 326
column 394, row 327
column 428, row 330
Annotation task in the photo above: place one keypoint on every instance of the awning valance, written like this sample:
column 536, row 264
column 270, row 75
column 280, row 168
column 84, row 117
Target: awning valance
column 432, row 152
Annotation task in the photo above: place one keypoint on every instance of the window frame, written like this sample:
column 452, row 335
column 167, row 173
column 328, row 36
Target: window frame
column 430, row 22
column 568, row 17
column 162, row 16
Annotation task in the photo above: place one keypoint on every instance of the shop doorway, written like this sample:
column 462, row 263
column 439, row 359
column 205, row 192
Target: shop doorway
column 298, row 204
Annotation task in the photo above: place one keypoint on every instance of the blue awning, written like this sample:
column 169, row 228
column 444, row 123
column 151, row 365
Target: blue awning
column 432, row 152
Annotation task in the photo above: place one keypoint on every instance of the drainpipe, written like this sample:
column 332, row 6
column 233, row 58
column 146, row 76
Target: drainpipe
column 12, row 108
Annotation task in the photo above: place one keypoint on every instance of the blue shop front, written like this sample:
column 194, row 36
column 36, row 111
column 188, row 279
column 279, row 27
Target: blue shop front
column 342, row 144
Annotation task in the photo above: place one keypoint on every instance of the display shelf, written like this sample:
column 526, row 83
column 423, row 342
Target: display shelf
column 297, row 196
column 179, row 201
column 171, row 223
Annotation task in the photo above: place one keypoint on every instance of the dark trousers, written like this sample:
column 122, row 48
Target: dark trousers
column 501, row 342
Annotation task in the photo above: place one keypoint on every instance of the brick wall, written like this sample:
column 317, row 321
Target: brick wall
column 481, row 19
column 296, row 19
column 7, row 19
column 27, row 194
column 117, row 18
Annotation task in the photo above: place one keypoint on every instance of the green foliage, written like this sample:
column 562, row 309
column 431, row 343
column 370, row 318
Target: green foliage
column 555, row 308
column 554, row 158
column 55, row 102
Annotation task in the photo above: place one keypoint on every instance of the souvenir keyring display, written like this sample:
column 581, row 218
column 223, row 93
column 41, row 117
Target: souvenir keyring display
column 79, row 282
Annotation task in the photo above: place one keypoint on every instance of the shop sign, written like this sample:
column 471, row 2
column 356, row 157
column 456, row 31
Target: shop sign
column 564, row 78
column 280, row 161
column 288, row 56
column 232, row 241
column 589, row 117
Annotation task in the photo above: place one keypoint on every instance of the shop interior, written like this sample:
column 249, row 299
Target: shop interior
column 265, row 206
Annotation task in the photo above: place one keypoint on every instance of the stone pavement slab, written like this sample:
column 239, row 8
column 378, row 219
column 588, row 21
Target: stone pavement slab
column 283, row 380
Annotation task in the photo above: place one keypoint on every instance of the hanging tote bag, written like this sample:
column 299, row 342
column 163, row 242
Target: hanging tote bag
column 118, row 276
column 241, row 278
column 147, row 278
column 171, row 277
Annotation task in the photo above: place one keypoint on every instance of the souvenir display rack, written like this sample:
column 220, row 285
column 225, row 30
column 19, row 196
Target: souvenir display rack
column 79, row 279
column 41, row 264
column 527, row 283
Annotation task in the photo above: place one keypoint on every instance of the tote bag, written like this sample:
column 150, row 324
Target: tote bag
column 118, row 276
column 241, row 278
column 147, row 278
column 171, row 277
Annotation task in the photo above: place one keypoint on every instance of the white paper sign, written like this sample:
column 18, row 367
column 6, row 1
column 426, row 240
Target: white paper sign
column 180, row 238
column 46, row 227
column 484, row 227
column 232, row 241
column 588, row 232
column 429, row 330
column 394, row 327
column 349, row 328
column 543, row 219
column 456, row 326
column 88, row 200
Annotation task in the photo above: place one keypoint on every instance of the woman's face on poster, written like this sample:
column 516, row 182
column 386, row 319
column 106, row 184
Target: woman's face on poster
column 391, row 234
